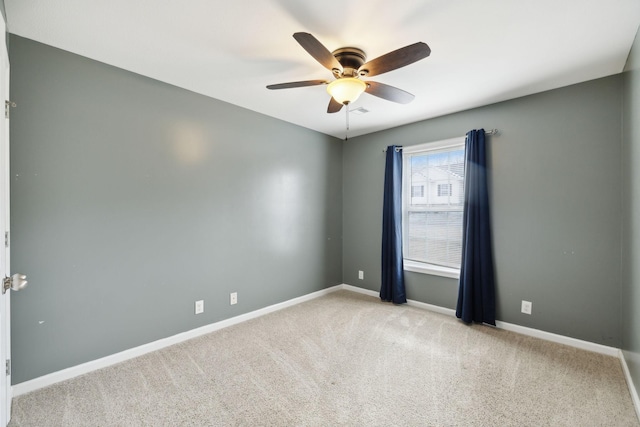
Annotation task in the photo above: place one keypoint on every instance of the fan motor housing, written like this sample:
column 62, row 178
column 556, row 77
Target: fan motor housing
column 351, row 59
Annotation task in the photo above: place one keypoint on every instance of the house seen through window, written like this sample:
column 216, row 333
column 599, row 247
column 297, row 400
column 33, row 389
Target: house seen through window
column 433, row 206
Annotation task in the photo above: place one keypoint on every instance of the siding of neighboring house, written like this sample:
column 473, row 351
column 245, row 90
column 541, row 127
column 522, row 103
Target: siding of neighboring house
column 440, row 187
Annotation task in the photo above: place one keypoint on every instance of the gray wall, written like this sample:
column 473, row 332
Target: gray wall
column 631, row 218
column 556, row 208
column 131, row 199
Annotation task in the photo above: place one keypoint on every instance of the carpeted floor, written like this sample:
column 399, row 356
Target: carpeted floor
column 345, row 359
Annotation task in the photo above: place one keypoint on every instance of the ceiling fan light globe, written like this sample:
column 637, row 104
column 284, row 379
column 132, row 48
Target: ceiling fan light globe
column 346, row 90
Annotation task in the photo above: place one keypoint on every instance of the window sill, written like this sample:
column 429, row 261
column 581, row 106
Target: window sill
column 435, row 270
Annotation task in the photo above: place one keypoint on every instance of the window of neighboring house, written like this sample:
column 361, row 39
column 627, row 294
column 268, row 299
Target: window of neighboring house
column 433, row 202
column 444, row 189
column 417, row 191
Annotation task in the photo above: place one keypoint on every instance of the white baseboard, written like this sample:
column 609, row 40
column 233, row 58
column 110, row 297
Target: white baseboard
column 84, row 368
column 359, row 290
column 74, row 371
column 431, row 307
column 632, row 388
column 560, row 339
column 548, row 336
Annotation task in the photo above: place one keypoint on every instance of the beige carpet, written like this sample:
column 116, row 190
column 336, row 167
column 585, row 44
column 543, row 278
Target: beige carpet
column 345, row 359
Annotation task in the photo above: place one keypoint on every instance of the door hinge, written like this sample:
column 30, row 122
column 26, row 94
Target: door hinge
column 6, row 239
column 7, row 108
column 8, row 366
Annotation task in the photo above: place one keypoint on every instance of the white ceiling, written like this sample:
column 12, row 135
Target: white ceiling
column 482, row 51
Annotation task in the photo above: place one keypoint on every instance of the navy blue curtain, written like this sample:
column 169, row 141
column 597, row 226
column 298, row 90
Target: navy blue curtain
column 392, row 288
column 476, row 293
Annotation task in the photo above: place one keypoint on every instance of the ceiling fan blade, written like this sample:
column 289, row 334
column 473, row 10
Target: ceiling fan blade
column 297, row 84
column 318, row 51
column 396, row 59
column 390, row 93
column 334, row 106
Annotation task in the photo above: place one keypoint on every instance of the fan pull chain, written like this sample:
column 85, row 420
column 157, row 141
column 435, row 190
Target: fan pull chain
column 346, row 134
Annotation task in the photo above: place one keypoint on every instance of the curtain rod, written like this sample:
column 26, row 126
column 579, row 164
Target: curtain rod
column 486, row 132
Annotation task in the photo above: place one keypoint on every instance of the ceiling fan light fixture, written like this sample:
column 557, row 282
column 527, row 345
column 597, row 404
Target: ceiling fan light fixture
column 346, row 90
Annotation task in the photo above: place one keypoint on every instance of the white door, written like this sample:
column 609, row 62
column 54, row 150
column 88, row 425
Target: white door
column 5, row 327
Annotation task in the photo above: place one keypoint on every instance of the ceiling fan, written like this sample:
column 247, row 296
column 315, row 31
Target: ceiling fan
column 349, row 65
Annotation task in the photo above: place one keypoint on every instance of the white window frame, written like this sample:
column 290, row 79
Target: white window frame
column 416, row 266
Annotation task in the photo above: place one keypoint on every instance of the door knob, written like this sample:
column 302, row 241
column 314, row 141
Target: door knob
column 15, row 282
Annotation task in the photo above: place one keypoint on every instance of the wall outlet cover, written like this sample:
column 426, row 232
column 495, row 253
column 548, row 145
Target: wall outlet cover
column 526, row 307
column 233, row 298
column 200, row 306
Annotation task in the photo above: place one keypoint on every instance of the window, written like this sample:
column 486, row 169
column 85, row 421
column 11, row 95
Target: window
column 417, row 191
column 432, row 209
column 444, row 190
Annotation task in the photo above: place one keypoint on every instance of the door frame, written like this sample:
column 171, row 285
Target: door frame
column 5, row 262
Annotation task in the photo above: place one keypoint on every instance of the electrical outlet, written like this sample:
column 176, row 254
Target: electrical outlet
column 361, row 275
column 200, row 306
column 233, row 298
column 526, row 307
